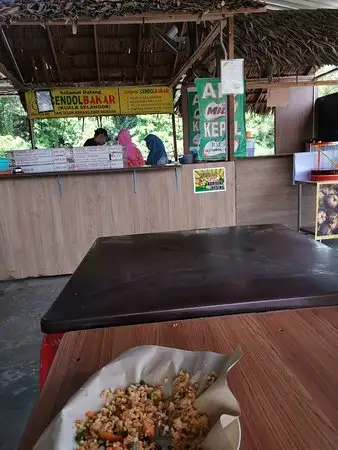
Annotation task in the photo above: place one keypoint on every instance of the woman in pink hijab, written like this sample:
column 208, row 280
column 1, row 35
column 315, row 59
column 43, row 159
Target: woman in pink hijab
column 134, row 155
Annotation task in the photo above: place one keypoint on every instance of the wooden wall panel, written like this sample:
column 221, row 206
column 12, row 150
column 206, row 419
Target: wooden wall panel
column 265, row 194
column 45, row 233
column 293, row 124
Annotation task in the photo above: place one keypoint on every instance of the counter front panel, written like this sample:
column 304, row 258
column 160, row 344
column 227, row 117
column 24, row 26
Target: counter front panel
column 48, row 223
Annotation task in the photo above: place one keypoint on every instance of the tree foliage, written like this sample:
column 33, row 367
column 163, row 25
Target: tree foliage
column 263, row 129
column 326, row 90
column 14, row 120
column 14, row 131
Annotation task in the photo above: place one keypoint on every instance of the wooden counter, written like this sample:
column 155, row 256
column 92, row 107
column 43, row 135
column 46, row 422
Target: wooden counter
column 18, row 176
column 47, row 223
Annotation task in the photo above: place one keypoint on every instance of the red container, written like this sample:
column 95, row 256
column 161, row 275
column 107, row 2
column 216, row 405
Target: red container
column 49, row 346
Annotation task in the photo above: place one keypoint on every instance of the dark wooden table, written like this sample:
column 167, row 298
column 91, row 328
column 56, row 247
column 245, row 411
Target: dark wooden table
column 286, row 383
column 149, row 278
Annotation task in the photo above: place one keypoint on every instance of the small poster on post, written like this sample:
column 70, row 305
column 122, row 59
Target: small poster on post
column 232, row 76
column 327, row 211
column 209, row 180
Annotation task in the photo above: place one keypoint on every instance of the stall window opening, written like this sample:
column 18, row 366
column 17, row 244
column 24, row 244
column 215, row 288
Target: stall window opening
column 262, row 127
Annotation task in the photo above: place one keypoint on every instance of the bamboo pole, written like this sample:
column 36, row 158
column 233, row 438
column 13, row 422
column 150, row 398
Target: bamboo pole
column 97, row 55
column 183, row 32
column 56, row 61
column 196, row 55
column 16, row 83
column 12, row 56
column 139, row 49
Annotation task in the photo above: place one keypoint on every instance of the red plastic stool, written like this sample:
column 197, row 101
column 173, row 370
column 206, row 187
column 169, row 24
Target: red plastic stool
column 50, row 344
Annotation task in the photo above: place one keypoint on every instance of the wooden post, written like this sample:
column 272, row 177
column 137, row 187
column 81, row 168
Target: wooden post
column 174, row 136
column 185, row 117
column 31, row 132
column 97, row 55
column 231, row 98
column 218, row 62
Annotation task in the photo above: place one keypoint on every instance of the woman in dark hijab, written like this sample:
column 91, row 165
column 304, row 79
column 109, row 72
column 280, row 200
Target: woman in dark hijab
column 157, row 154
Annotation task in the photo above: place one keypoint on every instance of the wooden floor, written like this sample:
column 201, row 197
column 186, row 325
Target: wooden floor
column 286, row 383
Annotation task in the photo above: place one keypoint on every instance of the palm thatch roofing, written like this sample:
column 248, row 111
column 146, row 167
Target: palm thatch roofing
column 283, row 43
column 273, row 44
column 12, row 10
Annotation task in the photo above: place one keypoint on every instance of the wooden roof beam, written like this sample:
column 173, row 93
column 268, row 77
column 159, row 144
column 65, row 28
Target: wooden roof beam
column 151, row 17
column 183, row 31
column 97, row 55
column 11, row 54
column 326, row 73
column 16, row 83
column 51, row 43
column 197, row 54
column 288, row 84
column 139, row 50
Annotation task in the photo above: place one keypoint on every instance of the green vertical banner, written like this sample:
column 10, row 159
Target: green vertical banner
column 207, row 130
column 213, row 120
column 193, row 120
column 240, row 131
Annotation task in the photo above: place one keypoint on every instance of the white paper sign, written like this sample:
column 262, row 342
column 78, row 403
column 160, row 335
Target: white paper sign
column 232, row 76
column 278, row 97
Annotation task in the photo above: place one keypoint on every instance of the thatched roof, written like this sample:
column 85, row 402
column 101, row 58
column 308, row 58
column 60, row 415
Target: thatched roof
column 13, row 10
column 273, row 44
column 283, row 43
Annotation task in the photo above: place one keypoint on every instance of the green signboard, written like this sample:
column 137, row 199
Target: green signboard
column 213, row 121
column 193, row 120
column 240, row 131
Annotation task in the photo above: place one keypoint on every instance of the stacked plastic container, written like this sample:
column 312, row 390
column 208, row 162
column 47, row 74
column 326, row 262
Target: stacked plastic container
column 66, row 159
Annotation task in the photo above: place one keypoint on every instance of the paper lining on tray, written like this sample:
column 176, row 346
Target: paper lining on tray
column 153, row 364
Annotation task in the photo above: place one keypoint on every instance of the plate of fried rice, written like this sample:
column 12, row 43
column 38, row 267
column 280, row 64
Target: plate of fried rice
column 184, row 394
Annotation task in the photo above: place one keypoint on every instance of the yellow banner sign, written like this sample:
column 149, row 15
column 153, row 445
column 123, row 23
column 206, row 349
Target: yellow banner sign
column 83, row 102
column 146, row 100
column 73, row 103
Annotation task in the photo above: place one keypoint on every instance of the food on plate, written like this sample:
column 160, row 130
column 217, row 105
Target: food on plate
column 130, row 416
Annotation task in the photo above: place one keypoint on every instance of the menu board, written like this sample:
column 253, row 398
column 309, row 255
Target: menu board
column 84, row 102
column 146, row 100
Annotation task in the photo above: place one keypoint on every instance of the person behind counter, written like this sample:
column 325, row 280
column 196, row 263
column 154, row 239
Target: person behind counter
column 100, row 138
column 134, row 155
column 157, row 155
